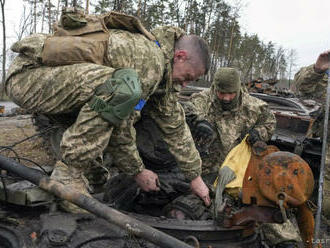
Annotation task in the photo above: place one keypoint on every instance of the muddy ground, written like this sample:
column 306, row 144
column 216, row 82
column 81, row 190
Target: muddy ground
column 18, row 138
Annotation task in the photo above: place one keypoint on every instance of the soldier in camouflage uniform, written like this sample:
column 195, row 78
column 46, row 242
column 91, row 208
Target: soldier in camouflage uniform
column 233, row 113
column 311, row 83
column 94, row 92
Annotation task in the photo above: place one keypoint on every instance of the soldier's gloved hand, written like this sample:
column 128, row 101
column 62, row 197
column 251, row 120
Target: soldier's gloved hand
column 204, row 132
column 147, row 180
column 199, row 188
column 253, row 137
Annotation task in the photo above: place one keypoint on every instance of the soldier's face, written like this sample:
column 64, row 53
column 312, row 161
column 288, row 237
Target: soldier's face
column 185, row 69
column 226, row 97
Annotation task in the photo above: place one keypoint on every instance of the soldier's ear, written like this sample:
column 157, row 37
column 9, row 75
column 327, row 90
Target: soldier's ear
column 180, row 55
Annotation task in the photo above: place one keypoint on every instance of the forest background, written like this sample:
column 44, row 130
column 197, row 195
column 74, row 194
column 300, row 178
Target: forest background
column 217, row 21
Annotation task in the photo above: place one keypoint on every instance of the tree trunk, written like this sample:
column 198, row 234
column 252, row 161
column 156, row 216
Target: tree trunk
column 138, row 12
column 49, row 17
column 87, row 7
column 57, row 10
column 231, row 43
column 43, row 18
column 35, row 16
column 2, row 2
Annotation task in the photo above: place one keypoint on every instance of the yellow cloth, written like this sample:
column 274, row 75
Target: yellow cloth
column 237, row 160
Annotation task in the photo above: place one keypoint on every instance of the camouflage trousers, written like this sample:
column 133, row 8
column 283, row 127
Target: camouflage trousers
column 66, row 89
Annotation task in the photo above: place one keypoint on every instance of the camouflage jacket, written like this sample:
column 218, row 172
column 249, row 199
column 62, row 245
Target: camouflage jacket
column 231, row 126
column 312, row 85
column 154, row 67
column 164, row 108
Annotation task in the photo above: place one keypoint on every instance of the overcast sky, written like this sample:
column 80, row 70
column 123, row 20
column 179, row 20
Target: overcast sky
column 303, row 25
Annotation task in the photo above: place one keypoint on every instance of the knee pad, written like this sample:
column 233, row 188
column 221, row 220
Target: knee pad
column 124, row 91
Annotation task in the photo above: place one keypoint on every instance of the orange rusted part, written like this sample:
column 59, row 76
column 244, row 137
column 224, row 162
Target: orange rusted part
column 306, row 223
column 250, row 191
column 2, row 109
column 258, row 85
column 272, row 174
column 287, row 174
column 276, row 174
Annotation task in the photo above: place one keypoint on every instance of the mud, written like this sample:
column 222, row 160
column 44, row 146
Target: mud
column 19, row 139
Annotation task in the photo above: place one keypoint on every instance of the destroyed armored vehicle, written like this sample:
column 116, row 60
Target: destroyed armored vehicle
column 29, row 217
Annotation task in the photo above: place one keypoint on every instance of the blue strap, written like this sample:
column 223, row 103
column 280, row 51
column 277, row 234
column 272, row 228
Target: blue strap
column 327, row 72
column 157, row 43
column 140, row 105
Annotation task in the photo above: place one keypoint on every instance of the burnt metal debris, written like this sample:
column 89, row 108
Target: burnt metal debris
column 92, row 205
column 38, row 224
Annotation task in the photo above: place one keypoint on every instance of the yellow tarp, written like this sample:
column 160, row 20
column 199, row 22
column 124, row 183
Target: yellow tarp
column 237, row 160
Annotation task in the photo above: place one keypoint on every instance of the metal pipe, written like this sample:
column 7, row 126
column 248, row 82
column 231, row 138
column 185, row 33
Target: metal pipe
column 324, row 153
column 92, row 205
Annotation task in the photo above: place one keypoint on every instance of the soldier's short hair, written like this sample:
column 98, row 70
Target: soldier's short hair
column 196, row 46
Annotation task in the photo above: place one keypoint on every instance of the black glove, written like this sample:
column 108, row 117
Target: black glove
column 253, row 137
column 204, row 132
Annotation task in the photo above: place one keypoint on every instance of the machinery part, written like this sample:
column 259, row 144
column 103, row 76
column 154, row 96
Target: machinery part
column 209, row 235
column 131, row 225
column 278, row 172
column 2, row 110
column 306, row 224
column 190, row 205
column 324, row 151
column 58, row 228
column 192, row 239
column 9, row 238
column 253, row 214
column 281, row 198
column 281, row 179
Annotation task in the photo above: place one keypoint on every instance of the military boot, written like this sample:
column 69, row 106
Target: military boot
column 74, row 178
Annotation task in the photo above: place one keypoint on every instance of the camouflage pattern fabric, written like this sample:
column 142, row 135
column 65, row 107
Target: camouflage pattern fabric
column 65, row 89
column 274, row 234
column 313, row 85
column 231, row 126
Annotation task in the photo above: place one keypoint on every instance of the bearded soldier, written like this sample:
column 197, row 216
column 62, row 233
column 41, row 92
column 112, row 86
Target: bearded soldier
column 105, row 68
column 311, row 83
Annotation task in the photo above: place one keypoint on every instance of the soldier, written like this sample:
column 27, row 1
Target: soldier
column 107, row 85
column 311, row 83
column 233, row 113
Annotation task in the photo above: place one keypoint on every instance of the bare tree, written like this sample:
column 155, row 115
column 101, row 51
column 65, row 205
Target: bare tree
column 2, row 3
column 25, row 24
column 87, row 7
column 292, row 58
column 35, row 16
column 49, row 17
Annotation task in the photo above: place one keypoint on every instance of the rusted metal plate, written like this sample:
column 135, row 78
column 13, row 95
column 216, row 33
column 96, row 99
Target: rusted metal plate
column 278, row 173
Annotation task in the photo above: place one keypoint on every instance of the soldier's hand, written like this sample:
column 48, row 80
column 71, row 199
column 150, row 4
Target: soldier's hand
column 253, row 137
column 147, row 180
column 199, row 188
column 322, row 62
column 204, row 132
